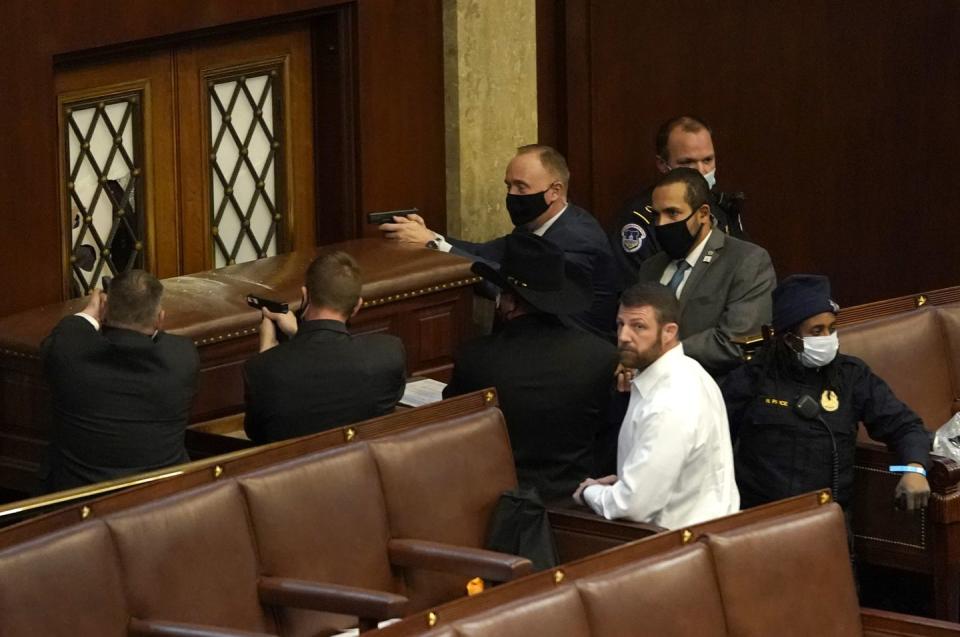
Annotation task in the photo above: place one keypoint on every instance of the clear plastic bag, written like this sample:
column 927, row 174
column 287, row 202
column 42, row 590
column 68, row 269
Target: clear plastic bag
column 946, row 442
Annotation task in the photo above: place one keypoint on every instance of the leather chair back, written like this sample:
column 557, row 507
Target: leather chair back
column 670, row 595
column 882, row 342
column 558, row 613
column 789, row 576
column 321, row 518
column 191, row 558
column 441, row 483
column 63, row 585
column 950, row 323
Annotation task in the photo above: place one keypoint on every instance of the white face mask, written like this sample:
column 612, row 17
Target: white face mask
column 711, row 178
column 819, row 350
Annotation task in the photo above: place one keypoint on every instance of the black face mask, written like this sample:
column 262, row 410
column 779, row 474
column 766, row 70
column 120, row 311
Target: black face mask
column 675, row 238
column 525, row 208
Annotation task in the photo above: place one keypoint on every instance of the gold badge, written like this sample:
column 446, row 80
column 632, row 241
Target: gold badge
column 829, row 400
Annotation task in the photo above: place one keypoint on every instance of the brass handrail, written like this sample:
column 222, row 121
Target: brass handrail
column 109, row 486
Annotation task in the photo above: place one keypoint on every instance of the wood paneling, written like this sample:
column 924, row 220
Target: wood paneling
column 398, row 159
column 836, row 119
column 402, row 163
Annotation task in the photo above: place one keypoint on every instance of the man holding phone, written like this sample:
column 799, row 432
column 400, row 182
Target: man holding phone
column 322, row 377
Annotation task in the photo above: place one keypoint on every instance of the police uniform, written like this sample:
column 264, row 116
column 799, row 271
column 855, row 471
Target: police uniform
column 632, row 239
column 779, row 454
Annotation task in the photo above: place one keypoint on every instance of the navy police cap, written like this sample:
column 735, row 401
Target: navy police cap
column 798, row 297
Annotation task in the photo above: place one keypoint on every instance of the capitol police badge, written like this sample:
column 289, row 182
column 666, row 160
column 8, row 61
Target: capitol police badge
column 829, row 400
column 631, row 237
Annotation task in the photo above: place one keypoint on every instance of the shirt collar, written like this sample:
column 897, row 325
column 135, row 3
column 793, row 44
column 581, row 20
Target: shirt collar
column 542, row 230
column 322, row 324
column 645, row 380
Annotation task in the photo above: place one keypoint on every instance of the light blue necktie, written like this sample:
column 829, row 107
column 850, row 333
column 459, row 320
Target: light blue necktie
column 677, row 278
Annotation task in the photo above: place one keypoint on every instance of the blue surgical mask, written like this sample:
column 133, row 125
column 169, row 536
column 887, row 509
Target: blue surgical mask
column 711, row 178
column 819, row 350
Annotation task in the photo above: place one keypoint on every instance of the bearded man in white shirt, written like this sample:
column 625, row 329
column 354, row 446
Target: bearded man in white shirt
column 674, row 457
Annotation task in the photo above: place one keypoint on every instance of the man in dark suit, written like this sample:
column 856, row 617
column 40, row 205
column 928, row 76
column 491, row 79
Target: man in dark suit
column 323, row 377
column 724, row 284
column 554, row 381
column 537, row 179
column 121, row 395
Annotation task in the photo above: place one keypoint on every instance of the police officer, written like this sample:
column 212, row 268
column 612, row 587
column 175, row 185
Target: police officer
column 683, row 141
column 795, row 407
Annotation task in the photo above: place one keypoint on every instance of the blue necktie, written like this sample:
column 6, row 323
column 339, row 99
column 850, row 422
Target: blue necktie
column 677, row 278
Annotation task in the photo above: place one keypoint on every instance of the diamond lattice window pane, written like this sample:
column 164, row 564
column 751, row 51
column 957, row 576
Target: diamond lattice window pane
column 245, row 148
column 104, row 184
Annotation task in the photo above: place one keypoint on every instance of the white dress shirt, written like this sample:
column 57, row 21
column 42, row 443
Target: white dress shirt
column 691, row 258
column 674, row 458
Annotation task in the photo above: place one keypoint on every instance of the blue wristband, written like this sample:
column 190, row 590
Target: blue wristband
column 903, row 468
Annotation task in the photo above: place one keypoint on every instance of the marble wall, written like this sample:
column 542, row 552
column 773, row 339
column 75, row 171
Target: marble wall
column 490, row 78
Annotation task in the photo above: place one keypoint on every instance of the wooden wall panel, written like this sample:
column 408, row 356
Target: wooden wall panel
column 399, row 92
column 838, row 120
column 402, row 163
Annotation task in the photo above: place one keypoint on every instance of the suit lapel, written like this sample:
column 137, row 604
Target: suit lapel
column 709, row 256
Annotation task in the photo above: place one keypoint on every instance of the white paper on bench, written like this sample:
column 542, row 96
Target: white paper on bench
column 422, row 392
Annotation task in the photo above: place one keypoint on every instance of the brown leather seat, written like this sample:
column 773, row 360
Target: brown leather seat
column 191, row 558
column 63, row 585
column 789, row 576
column 670, row 595
column 558, row 613
column 322, row 518
column 441, row 483
column 882, row 343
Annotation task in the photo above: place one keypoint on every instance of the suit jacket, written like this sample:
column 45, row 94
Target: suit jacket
column 585, row 244
column 726, row 295
column 321, row 379
column 121, row 401
column 554, row 384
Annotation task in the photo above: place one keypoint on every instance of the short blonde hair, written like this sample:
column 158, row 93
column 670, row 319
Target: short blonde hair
column 552, row 160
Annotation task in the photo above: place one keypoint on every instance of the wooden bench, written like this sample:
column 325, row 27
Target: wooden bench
column 783, row 575
column 365, row 521
column 425, row 297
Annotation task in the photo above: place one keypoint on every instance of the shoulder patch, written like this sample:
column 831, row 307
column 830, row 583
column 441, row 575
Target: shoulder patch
column 631, row 237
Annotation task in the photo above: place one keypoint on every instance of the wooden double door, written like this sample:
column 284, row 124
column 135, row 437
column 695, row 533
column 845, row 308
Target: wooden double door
column 189, row 156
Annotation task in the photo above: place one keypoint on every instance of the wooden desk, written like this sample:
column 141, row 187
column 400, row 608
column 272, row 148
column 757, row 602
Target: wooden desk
column 423, row 296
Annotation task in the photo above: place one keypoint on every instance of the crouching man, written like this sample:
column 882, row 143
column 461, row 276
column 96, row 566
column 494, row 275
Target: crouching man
column 674, row 458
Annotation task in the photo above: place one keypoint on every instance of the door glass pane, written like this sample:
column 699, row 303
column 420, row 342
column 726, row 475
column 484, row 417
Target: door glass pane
column 245, row 147
column 104, row 186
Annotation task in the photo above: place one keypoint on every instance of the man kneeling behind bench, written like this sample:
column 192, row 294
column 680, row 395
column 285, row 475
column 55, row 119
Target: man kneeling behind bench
column 323, row 377
column 121, row 394
column 674, row 458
